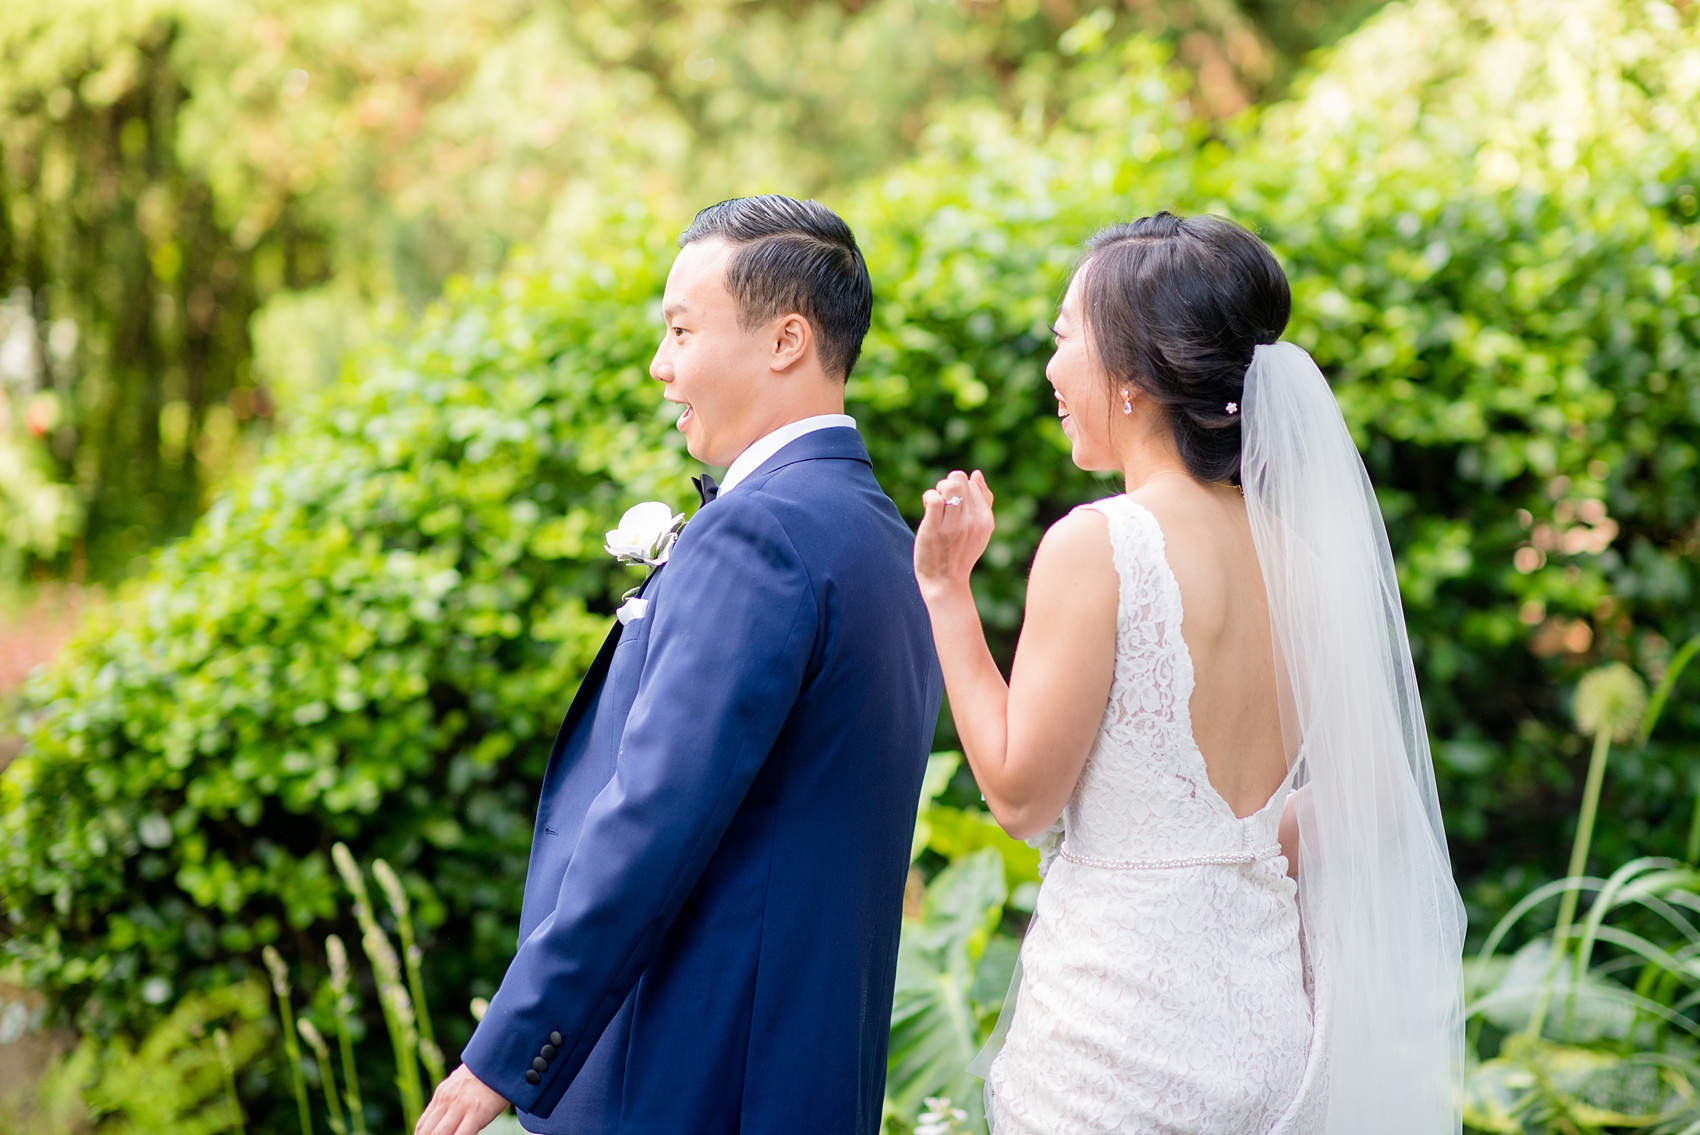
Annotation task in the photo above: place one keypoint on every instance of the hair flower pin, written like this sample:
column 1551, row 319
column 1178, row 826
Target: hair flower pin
column 1233, row 408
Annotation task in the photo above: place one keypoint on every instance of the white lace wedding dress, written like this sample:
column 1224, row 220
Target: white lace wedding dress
column 1163, row 988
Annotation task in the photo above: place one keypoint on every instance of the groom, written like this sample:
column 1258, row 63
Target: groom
column 711, row 915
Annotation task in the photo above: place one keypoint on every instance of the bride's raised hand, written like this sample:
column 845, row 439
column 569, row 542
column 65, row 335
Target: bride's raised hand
column 954, row 532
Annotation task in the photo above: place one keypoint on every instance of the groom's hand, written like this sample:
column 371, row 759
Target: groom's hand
column 461, row 1105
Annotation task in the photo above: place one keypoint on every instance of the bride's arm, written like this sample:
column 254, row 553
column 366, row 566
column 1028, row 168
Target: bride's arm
column 1026, row 741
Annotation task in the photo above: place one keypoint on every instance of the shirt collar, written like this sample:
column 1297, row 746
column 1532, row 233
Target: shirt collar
column 760, row 450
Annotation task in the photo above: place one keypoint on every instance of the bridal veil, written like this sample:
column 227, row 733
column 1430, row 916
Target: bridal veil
column 1382, row 921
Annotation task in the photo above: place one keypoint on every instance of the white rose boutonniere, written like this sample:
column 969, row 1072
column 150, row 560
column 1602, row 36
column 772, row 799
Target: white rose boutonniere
column 645, row 535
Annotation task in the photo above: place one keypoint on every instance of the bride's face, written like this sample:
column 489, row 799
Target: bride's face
column 1082, row 387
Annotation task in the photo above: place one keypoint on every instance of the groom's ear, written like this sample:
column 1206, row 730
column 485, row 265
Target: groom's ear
column 792, row 341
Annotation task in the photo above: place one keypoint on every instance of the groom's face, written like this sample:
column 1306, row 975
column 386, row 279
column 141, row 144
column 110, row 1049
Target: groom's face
column 714, row 368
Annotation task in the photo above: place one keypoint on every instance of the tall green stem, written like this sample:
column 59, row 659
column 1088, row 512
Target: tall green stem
column 1656, row 707
column 327, row 1074
column 413, row 958
column 405, row 1039
column 291, row 1046
column 1578, row 862
column 1584, row 828
column 1661, row 695
column 343, row 1009
column 1693, row 857
column 392, row 995
column 227, row 1067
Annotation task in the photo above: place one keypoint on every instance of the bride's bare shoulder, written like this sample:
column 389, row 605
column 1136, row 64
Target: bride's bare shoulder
column 1075, row 553
column 1083, row 533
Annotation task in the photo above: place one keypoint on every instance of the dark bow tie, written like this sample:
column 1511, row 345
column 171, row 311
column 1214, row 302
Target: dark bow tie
column 707, row 488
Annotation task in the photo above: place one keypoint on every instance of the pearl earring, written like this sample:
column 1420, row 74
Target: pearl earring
column 1127, row 403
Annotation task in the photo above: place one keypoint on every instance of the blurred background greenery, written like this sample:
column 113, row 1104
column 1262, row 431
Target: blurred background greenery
column 324, row 330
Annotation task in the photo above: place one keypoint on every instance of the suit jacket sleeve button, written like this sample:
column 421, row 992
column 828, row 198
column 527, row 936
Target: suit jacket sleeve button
column 550, row 1051
column 555, row 1039
column 540, row 1065
column 531, row 1077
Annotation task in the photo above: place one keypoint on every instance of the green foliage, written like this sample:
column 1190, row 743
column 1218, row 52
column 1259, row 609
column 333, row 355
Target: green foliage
column 405, row 1012
column 38, row 515
column 1491, row 214
column 1601, row 1035
column 1505, row 304
column 1610, row 704
column 384, row 624
column 950, row 985
column 1661, row 694
column 282, row 990
column 372, row 638
column 1593, row 1027
column 956, row 833
column 970, row 246
column 171, row 1082
column 183, row 182
column 342, row 1012
column 955, row 960
column 132, row 291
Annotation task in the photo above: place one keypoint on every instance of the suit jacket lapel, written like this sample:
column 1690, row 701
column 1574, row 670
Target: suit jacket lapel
column 591, row 686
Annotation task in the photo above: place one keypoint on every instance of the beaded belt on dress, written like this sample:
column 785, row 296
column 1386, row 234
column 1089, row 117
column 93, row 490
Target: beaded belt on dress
column 1242, row 859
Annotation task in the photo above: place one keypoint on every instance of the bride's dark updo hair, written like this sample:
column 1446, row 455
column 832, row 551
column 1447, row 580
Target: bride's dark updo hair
column 1176, row 306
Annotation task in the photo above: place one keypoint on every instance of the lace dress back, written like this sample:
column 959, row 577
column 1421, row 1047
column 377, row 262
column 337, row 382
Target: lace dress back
column 1163, row 986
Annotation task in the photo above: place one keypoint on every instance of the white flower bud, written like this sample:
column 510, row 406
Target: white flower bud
column 645, row 535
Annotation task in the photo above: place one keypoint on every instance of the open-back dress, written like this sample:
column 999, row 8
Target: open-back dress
column 1163, row 986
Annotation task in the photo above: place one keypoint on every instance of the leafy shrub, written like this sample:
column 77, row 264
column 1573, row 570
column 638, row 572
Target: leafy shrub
column 951, row 981
column 175, row 1080
column 1491, row 214
column 957, row 955
column 371, row 640
column 191, row 186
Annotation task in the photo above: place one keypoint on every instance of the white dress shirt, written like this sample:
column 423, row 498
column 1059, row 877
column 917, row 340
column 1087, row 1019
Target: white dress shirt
column 760, row 450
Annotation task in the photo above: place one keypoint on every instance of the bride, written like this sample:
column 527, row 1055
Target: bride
column 1249, row 925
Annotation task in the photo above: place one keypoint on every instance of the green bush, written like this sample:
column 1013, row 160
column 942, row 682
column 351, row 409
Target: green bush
column 200, row 198
column 1504, row 290
column 178, row 1079
column 372, row 638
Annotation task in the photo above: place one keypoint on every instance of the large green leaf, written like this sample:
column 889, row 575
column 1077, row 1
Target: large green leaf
column 940, row 768
column 958, row 832
column 1541, row 1086
column 936, row 1024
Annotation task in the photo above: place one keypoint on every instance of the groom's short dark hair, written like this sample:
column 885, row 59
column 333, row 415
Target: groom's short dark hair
column 794, row 256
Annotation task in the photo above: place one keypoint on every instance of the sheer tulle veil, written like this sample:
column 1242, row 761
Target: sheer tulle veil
column 1382, row 921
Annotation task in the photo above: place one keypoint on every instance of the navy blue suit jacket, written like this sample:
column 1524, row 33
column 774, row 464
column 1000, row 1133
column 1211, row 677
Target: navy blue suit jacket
column 709, row 936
